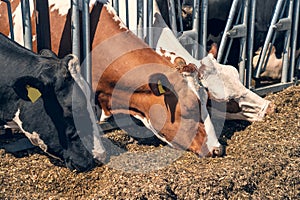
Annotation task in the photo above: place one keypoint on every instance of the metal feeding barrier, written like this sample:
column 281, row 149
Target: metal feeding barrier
column 240, row 24
column 245, row 31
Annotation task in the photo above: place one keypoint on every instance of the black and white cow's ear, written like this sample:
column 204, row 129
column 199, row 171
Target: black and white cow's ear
column 28, row 88
column 159, row 84
column 73, row 64
column 48, row 53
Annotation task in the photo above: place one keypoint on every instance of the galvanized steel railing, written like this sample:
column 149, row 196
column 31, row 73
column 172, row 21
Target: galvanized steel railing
column 243, row 28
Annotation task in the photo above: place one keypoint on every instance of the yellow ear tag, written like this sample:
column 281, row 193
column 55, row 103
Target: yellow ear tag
column 160, row 87
column 33, row 93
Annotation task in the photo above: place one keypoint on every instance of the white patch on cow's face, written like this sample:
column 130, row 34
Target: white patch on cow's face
column 193, row 83
column 33, row 137
column 98, row 150
column 116, row 18
column 148, row 124
column 11, row 125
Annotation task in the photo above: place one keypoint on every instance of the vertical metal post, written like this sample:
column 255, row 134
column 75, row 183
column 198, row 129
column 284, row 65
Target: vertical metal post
column 140, row 21
column 127, row 13
column 75, row 28
column 179, row 10
column 150, row 22
column 243, row 44
column 203, row 28
column 250, row 43
column 225, row 60
column 87, row 68
column 294, row 38
column 26, row 19
column 11, row 27
column 43, row 25
column 116, row 5
column 287, row 39
column 172, row 16
column 268, row 38
column 195, row 29
column 227, row 27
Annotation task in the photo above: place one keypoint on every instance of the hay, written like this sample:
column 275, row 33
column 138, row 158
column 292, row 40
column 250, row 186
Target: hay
column 262, row 161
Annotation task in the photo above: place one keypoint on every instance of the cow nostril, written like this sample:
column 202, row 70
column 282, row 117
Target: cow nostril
column 219, row 151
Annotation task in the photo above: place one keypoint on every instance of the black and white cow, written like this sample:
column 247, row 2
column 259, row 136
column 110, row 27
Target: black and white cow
column 49, row 101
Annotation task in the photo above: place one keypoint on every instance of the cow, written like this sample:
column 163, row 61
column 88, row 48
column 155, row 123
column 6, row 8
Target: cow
column 133, row 79
column 49, row 101
column 271, row 70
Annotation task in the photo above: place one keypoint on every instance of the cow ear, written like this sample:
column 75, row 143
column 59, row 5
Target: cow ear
column 73, row 64
column 28, row 88
column 48, row 53
column 159, row 84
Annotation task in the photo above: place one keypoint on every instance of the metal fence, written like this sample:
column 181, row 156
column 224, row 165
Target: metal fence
column 241, row 28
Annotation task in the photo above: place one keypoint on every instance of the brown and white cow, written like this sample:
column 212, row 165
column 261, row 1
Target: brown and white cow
column 131, row 78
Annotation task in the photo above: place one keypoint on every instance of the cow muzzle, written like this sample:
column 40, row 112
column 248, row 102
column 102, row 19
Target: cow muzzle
column 218, row 151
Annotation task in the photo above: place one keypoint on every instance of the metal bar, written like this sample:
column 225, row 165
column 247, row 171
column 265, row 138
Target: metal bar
column 87, row 67
column 127, row 13
column 150, row 22
column 227, row 27
column 75, row 28
column 203, row 28
column 273, row 37
column 243, row 44
column 294, row 39
column 268, row 38
column 225, row 60
column 179, row 10
column 250, row 43
column 287, row 39
column 11, row 26
column 172, row 16
column 116, row 6
column 145, row 19
column 272, row 88
column 43, row 25
column 26, row 19
column 196, row 27
column 140, row 21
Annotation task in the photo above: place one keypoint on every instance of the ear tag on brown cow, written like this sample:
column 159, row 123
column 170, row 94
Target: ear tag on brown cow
column 160, row 87
column 33, row 93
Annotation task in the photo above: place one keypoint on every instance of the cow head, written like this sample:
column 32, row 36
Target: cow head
column 191, row 124
column 57, row 105
column 242, row 103
column 173, row 107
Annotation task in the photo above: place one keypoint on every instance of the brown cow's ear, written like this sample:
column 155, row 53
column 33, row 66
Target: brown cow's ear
column 159, row 84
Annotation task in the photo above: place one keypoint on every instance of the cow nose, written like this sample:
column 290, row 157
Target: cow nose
column 219, row 151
